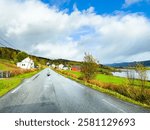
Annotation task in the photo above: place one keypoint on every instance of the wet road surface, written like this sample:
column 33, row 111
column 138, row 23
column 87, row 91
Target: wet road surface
column 57, row 94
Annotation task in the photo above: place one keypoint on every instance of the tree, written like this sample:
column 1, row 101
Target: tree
column 130, row 76
column 142, row 75
column 21, row 56
column 89, row 67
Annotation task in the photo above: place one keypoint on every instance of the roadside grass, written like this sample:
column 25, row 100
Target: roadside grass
column 109, row 79
column 8, row 84
column 105, row 78
column 3, row 67
column 117, row 80
column 6, row 65
column 148, row 68
column 114, row 86
column 78, row 74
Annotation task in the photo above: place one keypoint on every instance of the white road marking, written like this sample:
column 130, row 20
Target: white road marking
column 114, row 106
column 16, row 89
column 81, row 87
column 27, row 81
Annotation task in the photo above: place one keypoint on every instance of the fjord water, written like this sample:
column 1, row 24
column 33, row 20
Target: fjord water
column 123, row 73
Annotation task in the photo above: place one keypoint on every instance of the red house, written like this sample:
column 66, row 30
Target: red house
column 76, row 68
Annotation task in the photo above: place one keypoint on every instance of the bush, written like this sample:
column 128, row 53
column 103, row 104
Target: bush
column 128, row 91
column 68, row 74
column 20, row 71
column 89, row 67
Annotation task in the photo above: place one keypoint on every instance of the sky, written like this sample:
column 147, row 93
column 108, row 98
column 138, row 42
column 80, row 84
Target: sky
column 111, row 30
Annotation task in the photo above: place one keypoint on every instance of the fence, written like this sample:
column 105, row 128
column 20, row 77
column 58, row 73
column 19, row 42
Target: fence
column 4, row 74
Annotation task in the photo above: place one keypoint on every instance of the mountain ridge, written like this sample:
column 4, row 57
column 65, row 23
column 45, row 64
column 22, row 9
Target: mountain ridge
column 126, row 64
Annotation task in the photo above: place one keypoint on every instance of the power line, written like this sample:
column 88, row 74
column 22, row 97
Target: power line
column 2, row 44
column 10, row 41
column 7, row 42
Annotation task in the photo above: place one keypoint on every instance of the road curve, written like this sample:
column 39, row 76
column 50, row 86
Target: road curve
column 57, row 94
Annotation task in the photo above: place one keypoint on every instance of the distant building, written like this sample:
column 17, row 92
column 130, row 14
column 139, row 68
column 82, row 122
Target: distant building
column 76, row 68
column 65, row 68
column 48, row 64
column 53, row 66
column 27, row 63
column 60, row 66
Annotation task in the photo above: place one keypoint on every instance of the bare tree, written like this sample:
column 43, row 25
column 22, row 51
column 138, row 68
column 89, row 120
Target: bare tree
column 142, row 75
column 89, row 67
column 130, row 76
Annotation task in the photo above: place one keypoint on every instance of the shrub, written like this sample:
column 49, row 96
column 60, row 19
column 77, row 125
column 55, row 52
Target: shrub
column 89, row 67
column 16, row 72
column 126, row 90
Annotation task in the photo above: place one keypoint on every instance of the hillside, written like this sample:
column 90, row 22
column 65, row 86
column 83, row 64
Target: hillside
column 126, row 64
column 9, row 57
column 14, row 56
column 7, row 65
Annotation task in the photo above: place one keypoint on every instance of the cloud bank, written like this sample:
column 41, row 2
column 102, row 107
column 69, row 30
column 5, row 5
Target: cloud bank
column 46, row 31
column 131, row 2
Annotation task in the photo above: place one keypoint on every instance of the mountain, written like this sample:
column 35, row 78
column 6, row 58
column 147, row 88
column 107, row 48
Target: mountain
column 126, row 64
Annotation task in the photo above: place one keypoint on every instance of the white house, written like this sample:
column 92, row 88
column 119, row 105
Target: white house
column 27, row 63
column 48, row 64
column 53, row 66
column 60, row 66
column 65, row 68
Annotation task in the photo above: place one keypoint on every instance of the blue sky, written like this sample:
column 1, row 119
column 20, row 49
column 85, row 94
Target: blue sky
column 102, row 6
column 110, row 30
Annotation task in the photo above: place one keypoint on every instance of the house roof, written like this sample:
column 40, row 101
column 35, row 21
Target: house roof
column 27, row 60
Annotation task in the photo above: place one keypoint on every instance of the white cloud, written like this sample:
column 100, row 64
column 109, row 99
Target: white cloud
column 51, row 33
column 131, row 2
column 58, row 50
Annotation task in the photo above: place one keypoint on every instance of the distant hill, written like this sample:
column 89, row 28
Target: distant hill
column 14, row 56
column 126, row 64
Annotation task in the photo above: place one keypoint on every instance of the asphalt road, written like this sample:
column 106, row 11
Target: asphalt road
column 43, row 94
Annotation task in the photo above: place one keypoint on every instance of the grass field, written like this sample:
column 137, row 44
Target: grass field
column 6, row 65
column 78, row 74
column 108, row 78
column 8, row 84
column 117, row 80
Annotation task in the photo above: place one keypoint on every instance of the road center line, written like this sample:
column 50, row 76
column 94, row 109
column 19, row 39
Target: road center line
column 113, row 106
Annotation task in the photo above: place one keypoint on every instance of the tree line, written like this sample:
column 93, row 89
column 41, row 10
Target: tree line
column 17, row 56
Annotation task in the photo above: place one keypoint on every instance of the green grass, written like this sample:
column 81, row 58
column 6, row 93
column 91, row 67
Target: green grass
column 78, row 74
column 117, row 80
column 6, row 65
column 8, row 84
column 3, row 67
column 101, row 77
column 108, row 78
column 148, row 68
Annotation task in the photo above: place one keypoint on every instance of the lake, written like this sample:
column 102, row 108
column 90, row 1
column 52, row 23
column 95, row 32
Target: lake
column 124, row 73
